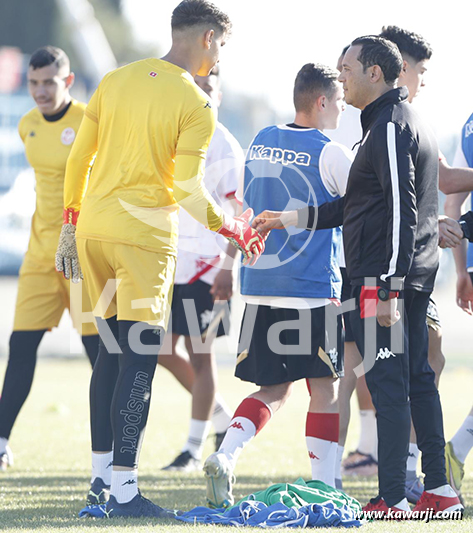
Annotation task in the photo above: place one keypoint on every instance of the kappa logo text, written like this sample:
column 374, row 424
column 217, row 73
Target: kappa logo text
column 277, row 155
column 237, row 425
column 313, row 456
column 384, row 353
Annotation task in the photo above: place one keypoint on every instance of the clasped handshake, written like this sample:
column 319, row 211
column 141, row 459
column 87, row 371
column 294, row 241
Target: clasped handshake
column 249, row 239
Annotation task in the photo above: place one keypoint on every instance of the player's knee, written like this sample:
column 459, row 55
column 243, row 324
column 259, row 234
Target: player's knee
column 278, row 393
column 325, row 390
column 201, row 363
column 140, row 340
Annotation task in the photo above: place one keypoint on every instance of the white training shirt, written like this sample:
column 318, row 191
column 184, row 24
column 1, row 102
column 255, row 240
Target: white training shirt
column 349, row 130
column 201, row 251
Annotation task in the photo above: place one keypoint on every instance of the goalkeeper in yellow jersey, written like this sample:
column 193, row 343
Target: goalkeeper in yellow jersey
column 148, row 126
column 48, row 132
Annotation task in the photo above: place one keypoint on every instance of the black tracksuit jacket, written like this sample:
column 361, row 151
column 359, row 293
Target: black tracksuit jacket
column 390, row 210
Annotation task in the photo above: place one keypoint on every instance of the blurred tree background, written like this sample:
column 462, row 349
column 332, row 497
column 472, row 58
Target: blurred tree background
column 29, row 24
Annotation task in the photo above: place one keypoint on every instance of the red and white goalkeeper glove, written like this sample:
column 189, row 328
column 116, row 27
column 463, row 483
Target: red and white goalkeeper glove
column 67, row 259
column 239, row 232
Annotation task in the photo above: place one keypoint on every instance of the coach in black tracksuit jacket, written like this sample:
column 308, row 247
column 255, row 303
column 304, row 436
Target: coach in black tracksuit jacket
column 390, row 220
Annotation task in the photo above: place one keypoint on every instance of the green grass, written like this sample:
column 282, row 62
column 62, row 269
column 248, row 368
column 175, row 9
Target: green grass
column 47, row 486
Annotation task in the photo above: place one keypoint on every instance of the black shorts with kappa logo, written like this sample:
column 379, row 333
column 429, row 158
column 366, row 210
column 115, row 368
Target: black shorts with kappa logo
column 200, row 315
column 272, row 351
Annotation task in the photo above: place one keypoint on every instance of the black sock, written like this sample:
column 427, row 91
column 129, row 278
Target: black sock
column 102, row 386
column 18, row 377
column 131, row 400
column 91, row 345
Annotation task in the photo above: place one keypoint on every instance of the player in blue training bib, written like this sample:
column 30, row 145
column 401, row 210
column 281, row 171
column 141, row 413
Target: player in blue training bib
column 291, row 330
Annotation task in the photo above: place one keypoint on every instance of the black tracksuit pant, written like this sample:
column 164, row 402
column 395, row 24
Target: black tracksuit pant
column 401, row 383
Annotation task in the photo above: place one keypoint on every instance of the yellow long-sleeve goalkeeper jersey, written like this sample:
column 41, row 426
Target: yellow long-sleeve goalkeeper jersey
column 149, row 125
column 47, row 147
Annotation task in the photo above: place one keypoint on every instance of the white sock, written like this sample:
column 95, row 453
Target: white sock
column 403, row 505
column 462, row 441
column 338, row 464
column 222, row 415
column 3, row 445
column 444, row 490
column 413, row 457
column 323, row 458
column 198, row 432
column 368, row 442
column 102, row 467
column 124, row 485
column 239, row 434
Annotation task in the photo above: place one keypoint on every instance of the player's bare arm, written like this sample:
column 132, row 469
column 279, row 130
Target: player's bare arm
column 454, row 180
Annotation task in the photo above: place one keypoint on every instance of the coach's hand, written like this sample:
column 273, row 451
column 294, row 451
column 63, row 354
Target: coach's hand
column 67, row 259
column 450, row 232
column 269, row 220
column 387, row 313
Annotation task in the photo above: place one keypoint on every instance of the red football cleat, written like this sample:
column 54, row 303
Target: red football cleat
column 438, row 503
column 379, row 509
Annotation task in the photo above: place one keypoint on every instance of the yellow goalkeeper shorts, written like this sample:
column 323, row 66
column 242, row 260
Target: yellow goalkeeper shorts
column 127, row 281
column 44, row 294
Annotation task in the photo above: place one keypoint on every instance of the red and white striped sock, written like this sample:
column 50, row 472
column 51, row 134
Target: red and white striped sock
column 322, row 430
column 249, row 418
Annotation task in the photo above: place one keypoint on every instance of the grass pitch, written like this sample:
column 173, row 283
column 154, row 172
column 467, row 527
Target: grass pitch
column 47, row 486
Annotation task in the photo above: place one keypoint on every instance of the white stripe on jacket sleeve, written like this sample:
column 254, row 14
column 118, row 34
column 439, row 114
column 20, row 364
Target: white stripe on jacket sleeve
column 396, row 229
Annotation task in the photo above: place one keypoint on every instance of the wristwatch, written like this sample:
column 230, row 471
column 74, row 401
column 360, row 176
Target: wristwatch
column 384, row 295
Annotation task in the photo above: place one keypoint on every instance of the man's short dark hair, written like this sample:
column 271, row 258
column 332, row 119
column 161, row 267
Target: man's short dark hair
column 345, row 48
column 379, row 51
column 311, row 82
column 408, row 42
column 48, row 55
column 200, row 12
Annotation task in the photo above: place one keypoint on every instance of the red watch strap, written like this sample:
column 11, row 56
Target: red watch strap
column 369, row 300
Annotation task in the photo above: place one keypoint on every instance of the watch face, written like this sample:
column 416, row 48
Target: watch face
column 383, row 294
